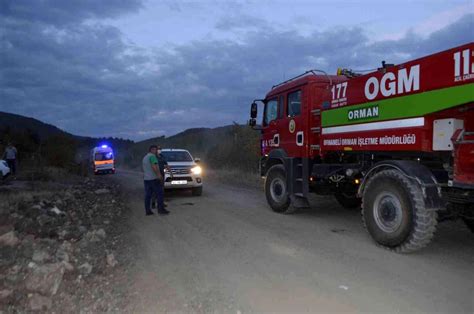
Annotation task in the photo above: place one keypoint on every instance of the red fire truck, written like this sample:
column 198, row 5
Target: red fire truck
column 397, row 142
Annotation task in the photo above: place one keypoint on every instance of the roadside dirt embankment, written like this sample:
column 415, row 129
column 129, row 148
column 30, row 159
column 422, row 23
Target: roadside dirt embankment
column 62, row 246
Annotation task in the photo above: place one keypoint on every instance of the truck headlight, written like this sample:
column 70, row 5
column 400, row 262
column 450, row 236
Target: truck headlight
column 196, row 170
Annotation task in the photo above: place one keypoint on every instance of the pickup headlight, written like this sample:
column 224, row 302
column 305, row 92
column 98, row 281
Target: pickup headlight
column 196, row 170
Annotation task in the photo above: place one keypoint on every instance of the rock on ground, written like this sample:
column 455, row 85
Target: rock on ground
column 5, row 294
column 111, row 261
column 47, row 233
column 102, row 191
column 85, row 269
column 40, row 256
column 38, row 302
column 9, row 239
column 45, row 279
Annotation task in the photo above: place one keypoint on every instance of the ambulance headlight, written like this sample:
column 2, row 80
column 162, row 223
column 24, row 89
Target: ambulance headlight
column 196, row 170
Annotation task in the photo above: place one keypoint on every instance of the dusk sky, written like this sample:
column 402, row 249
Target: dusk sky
column 139, row 69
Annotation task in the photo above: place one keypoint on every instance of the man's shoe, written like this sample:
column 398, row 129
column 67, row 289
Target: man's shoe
column 150, row 213
column 163, row 212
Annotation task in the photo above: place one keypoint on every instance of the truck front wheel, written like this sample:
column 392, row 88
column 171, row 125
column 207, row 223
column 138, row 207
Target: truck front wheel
column 394, row 212
column 276, row 189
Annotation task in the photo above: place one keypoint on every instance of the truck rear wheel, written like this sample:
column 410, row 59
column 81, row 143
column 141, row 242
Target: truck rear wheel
column 347, row 201
column 394, row 212
column 276, row 189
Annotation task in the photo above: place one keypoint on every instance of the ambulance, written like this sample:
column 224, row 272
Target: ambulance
column 102, row 159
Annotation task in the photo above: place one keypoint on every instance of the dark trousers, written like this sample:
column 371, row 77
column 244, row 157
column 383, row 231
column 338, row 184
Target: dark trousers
column 12, row 165
column 153, row 188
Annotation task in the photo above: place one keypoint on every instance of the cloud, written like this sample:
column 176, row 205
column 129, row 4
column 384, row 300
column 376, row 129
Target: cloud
column 241, row 22
column 59, row 12
column 74, row 70
column 444, row 19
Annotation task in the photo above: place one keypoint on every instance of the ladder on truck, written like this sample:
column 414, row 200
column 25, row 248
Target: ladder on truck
column 298, row 181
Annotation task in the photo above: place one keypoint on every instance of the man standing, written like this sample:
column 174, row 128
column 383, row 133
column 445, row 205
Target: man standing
column 162, row 165
column 152, row 179
column 10, row 156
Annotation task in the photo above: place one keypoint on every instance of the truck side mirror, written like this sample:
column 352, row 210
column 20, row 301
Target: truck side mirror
column 252, row 122
column 197, row 160
column 253, row 110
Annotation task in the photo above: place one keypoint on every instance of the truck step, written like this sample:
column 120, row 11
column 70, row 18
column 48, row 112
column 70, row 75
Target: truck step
column 316, row 112
column 299, row 201
column 315, row 147
column 316, row 130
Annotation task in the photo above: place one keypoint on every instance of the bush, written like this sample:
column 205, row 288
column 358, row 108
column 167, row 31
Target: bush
column 59, row 151
column 239, row 150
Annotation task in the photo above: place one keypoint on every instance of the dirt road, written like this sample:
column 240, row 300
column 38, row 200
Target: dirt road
column 227, row 252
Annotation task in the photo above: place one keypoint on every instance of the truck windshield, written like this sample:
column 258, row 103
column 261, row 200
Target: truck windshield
column 177, row 156
column 104, row 156
column 271, row 111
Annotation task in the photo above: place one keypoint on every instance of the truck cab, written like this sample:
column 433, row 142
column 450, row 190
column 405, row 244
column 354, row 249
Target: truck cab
column 290, row 108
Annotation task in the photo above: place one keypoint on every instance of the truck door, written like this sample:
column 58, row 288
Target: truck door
column 270, row 138
column 293, row 139
column 274, row 123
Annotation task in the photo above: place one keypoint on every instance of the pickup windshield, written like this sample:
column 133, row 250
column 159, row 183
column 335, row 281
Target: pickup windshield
column 177, row 156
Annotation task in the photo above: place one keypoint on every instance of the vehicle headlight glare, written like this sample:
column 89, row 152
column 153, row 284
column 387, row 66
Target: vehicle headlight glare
column 196, row 170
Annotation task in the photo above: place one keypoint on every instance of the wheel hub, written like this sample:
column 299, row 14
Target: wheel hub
column 278, row 189
column 388, row 212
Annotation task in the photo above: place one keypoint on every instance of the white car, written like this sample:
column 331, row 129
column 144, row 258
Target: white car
column 185, row 172
column 4, row 169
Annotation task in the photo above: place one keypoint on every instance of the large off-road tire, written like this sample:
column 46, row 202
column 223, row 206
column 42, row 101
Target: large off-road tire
column 348, row 201
column 276, row 190
column 394, row 212
column 197, row 191
column 469, row 223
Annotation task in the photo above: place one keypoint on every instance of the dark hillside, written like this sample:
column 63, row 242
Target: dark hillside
column 233, row 146
column 10, row 122
column 41, row 144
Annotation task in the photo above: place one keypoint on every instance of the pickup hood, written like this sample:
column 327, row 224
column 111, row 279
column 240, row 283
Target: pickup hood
column 179, row 164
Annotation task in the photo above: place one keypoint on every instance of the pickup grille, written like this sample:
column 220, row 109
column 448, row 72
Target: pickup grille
column 181, row 170
column 189, row 179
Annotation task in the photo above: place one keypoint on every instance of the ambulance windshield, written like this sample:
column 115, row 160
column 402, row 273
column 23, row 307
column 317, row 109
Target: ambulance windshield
column 104, row 156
